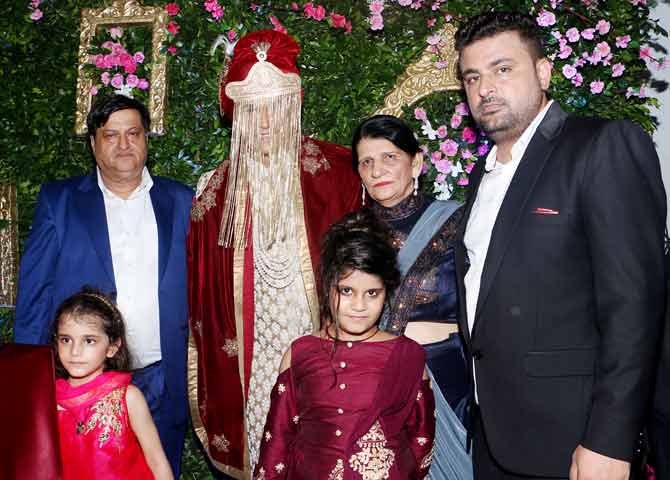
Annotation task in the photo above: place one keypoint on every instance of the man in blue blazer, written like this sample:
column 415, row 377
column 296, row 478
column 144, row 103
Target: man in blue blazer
column 122, row 231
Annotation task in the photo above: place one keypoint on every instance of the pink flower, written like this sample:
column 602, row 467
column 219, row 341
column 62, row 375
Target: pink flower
column 94, row 90
column 107, row 45
column 482, row 149
column 441, row 64
column 566, row 51
column 172, row 27
column 116, row 32
column 603, row 27
column 347, row 27
column 132, row 81
column 232, row 34
column 433, row 39
column 128, row 63
column 469, row 135
column 420, row 114
column 618, row 69
column 443, row 166
column 338, row 21
column 118, row 49
column 546, row 19
column 463, row 181
column 319, row 13
column 436, row 156
column 577, row 80
column 603, row 49
column 569, row 71
column 308, row 9
column 138, row 57
column 172, row 50
column 442, row 131
column 596, row 86
column 622, row 42
column 431, row 22
column 638, row 2
column 462, row 109
column 36, row 15
column 295, row 6
column 117, row 81
column 645, row 52
column 556, row 34
column 376, row 22
column 104, row 78
column 218, row 12
column 456, row 120
column 172, row 9
column 449, row 147
column 143, row 84
column 278, row 27
column 98, row 60
column 587, row 34
column 440, row 178
column 377, row 6
column 580, row 62
column 572, row 35
column 468, row 168
column 404, row 3
column 35, row 3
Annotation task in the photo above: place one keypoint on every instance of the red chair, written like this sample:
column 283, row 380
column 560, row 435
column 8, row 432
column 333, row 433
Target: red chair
column 29, row 427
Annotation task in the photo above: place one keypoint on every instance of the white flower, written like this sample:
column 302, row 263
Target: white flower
column 427, row 129
column 442, row 190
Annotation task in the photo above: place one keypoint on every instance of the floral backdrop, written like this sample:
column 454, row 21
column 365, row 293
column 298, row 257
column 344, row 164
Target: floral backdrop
column 352, row 53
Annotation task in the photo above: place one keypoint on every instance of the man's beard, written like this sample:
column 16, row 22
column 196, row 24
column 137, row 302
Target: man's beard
column 505, row 123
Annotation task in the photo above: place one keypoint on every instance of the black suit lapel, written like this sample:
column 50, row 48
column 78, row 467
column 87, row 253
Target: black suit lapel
column 90, row 208
column 529, row 169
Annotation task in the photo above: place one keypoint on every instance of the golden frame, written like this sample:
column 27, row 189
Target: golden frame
column 9, row 246
column 126, row 13
column 422, row 78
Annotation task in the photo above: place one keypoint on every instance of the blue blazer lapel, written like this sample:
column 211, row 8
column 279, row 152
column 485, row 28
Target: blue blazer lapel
column 163, row 204
column 531, row 166
column 90, row 211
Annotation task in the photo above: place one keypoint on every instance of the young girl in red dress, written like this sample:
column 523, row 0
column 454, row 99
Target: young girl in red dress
column 351, row 401
column 106, row 430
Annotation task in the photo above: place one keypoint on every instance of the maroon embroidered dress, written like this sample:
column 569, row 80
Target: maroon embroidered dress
column 350, row 416
column 96, row 439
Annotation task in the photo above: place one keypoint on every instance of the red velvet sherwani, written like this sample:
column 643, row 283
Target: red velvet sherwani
column 221, row 296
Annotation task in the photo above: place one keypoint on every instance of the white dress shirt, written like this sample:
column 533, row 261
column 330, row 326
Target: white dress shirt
column 133, row 240
column 490, row 195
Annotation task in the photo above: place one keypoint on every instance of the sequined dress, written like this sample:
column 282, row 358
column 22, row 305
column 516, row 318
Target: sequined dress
column 347, row 415
column 96, row 439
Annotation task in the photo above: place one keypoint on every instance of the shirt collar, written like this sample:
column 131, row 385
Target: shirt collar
column 520, row 145
column 145, row 185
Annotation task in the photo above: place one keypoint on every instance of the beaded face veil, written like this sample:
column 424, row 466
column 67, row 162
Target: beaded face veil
column 264, row 154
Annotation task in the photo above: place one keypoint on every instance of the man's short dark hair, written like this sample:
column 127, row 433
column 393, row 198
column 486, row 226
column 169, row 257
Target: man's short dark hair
column 489, row 24
column 105, row 106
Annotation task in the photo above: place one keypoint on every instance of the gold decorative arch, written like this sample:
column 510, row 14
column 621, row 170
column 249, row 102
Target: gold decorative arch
column 9, row 248
column 126, row 13
column 423, row 78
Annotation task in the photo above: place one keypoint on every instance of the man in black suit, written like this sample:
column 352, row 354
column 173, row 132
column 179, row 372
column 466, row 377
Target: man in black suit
column 561, row 261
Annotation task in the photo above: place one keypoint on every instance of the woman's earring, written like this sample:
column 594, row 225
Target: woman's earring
column 362, row 194
column 416, row 185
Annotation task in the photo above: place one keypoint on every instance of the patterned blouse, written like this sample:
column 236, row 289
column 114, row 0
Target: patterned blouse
column 428, row 291
column 344, row 414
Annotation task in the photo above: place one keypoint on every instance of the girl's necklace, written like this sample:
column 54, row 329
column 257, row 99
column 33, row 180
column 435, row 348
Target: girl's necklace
column 351, row 341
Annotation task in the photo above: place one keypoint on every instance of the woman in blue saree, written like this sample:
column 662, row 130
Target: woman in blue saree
column 387, row 156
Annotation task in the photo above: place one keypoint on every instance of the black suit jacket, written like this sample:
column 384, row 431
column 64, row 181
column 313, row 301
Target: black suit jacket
column 570, row 304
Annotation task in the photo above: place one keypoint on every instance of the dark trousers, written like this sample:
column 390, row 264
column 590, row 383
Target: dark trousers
column 151, row 381
column 485, row 466
column 659, row 433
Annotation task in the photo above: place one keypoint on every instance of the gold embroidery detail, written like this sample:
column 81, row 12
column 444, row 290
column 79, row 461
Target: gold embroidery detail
column 338, row 472
column 208, row 199
column 313, row 159
column 268, row 436
column 221, row 443
column 281, row 388
column 427, row 460
column 230, row 347
column 374, row 461
column 421, row 440
column 107, row 413
column 296, row 419
column 279, row 467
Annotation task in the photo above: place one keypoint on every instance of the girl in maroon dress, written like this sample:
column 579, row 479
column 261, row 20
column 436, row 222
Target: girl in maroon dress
column 105, row 427
column 351, row 401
